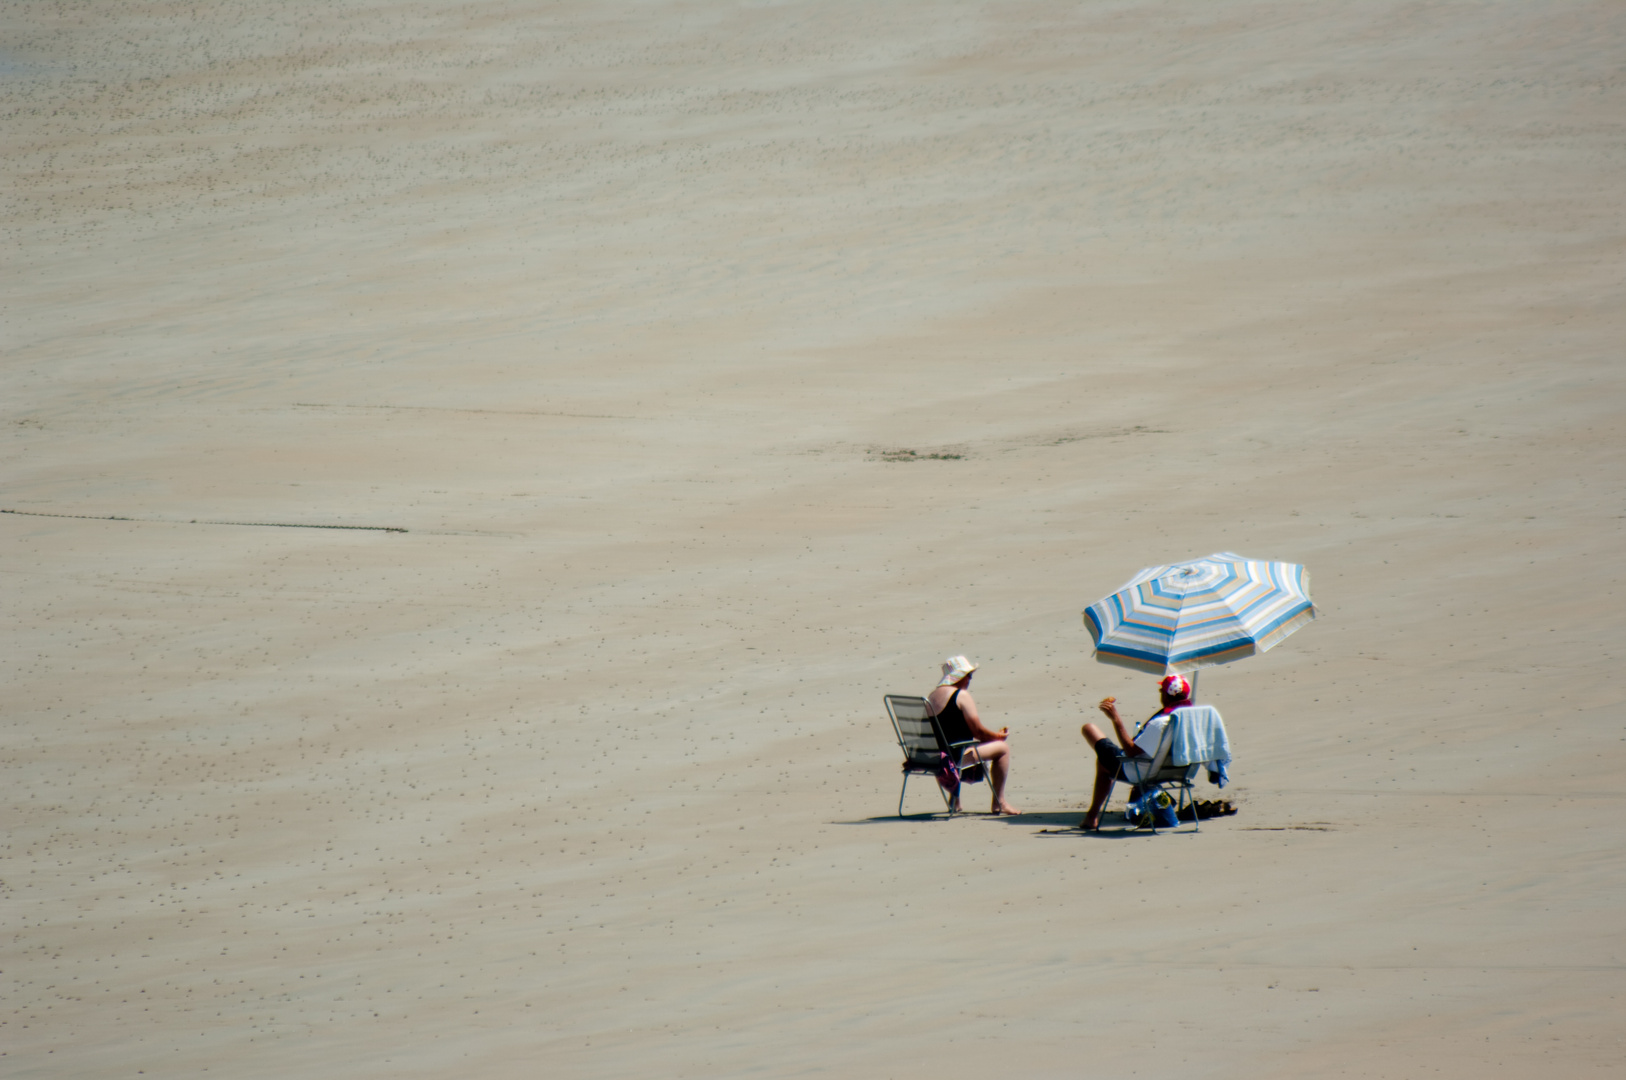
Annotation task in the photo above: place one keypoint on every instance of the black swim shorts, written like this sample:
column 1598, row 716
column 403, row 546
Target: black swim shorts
column 1111, row 753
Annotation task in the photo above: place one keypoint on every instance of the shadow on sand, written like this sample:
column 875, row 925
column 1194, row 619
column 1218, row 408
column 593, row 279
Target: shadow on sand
column 1048, row 823
column 1048, row 819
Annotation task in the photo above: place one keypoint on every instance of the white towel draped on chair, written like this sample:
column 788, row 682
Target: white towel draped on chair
column 1199, row 737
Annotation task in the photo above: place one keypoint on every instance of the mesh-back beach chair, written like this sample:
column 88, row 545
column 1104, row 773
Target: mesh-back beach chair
column 925, row 750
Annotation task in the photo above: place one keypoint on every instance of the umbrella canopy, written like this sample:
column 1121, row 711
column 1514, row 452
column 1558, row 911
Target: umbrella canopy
column 1193, row 614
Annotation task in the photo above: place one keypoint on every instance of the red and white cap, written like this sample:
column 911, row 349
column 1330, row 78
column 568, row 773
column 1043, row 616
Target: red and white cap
column 1175, row 687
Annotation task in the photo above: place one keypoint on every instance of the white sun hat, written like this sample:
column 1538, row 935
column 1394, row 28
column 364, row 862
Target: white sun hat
column 955, row 668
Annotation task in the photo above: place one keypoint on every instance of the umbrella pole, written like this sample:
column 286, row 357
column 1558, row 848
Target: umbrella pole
column 1194, row 688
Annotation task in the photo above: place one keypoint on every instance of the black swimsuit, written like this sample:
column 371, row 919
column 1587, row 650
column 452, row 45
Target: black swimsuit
column 952, row 721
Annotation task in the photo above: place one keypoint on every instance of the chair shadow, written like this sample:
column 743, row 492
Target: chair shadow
column 882, row 819
column 1043, row 818
column 1066, row 818
column 1109, row 830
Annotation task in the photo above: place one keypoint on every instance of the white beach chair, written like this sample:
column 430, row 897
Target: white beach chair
column 1166, row 777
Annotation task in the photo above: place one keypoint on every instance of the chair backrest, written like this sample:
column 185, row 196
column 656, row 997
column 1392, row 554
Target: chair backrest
column 917, row 731
column 1163, row 767
column 1200, row 736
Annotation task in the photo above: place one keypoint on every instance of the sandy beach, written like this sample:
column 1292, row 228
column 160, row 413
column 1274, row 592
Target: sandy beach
column 471, row 472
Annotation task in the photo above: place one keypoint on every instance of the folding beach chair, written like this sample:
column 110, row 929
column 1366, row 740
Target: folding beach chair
column 1166, row 777
column 925, row 750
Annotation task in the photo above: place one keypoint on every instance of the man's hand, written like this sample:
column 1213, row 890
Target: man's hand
column 1125, row 739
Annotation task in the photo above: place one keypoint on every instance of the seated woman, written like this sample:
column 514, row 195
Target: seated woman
column 956, row 713
column 1132, row 761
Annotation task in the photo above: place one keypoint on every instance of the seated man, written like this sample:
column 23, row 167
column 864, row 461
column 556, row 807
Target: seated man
column 950, row 701
column 1132, row 762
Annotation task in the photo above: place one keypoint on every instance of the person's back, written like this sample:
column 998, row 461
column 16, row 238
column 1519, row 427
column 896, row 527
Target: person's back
column 951, row 720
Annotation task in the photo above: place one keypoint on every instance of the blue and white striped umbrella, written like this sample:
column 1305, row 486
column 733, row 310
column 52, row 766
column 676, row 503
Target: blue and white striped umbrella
column 1193, row 614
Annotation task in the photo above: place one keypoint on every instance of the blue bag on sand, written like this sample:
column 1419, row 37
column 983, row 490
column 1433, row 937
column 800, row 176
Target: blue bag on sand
column 1153, row 808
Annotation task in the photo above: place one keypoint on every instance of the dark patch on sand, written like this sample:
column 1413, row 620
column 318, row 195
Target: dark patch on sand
column 915, row 455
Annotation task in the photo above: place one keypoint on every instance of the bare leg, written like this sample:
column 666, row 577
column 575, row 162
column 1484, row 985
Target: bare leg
column 997, row 756
column 1103, row 780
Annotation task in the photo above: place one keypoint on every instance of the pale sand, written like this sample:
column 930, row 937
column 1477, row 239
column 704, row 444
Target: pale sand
column 614, row 307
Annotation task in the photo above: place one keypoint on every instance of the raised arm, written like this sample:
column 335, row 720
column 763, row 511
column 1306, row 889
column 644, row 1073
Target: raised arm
column 1109, row 706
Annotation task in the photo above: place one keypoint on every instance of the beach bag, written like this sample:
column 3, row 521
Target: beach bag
column 950, row 775
column 1153, row 808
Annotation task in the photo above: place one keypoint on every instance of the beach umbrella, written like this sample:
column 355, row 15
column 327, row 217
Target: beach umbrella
column 1188, row 615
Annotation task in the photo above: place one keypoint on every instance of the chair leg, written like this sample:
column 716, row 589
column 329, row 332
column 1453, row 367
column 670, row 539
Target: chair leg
column 904, row 790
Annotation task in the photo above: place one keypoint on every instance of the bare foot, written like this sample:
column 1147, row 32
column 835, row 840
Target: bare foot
column 1004, row 809
column 1091, row 822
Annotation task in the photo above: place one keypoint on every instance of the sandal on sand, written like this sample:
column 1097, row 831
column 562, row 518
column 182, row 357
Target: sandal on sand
column 1205, row 809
